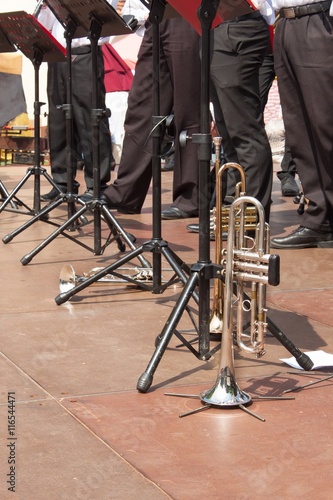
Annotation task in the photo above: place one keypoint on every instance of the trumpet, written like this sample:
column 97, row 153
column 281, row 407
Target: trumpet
column 216, row 316
column 68, row 279
column 221, row 223
column 241, row 265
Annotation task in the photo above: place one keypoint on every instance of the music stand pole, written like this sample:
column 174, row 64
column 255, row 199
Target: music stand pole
column 96, row 115
column 68, row 109
column 203, row 270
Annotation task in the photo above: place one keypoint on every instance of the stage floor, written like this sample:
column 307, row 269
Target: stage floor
column 82, row 431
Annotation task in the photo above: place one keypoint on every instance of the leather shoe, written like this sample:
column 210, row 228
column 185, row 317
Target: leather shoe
column 87, row 196
column 289, row 186
column 172, row 213
column 304, row 237
column 115, row 206
column 168, row 164
column 52, row 195
column 194, row 228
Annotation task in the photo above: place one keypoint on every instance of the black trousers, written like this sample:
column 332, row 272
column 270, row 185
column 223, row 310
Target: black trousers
column 266, row 78
column 238, row 51
column 180, row 94
column 82, row 122
column 304, row 66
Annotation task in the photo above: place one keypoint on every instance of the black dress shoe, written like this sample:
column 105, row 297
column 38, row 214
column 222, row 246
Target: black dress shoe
column 168, row 164
column 194, row 228
column 87, row 196
column 304, row 237
column 172, row 213
column 122, row 209
column 289, row 186
column 52, row 195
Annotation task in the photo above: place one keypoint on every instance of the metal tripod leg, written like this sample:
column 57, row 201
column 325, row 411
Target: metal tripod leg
column 146, row 378
column 302, row 359
column 40, row 215
column 97, row 207
column 158, row 247
column 36, row 171
column 13, row 204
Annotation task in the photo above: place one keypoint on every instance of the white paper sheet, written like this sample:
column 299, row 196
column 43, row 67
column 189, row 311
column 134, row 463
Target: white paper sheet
column 320, row 359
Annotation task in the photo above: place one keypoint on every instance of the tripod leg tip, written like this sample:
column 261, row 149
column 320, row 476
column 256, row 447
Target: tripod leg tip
column 305, row 362
column 61, row 298
column 7, row 238
column 144, row 382
column 26, row 259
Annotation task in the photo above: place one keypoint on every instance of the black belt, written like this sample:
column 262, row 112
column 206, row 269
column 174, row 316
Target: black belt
column 79, row 51
column 304, row 10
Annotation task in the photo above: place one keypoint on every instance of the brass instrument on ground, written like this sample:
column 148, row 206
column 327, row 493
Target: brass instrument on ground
column 221, row 216
column 68, row 279
column 243, row 265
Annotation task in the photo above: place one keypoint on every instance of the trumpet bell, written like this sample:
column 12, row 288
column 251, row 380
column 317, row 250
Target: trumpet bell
column 67, row 278
column 225, row 391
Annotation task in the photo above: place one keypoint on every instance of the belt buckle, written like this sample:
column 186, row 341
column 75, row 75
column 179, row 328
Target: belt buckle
column 289, row 12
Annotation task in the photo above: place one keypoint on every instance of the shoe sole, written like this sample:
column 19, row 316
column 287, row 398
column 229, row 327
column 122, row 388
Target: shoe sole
column 319, row 244
column 178, row 218
column 325, row 244
column 290, row 193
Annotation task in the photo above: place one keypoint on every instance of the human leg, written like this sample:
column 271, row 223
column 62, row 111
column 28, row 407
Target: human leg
column 129, row 190
column 82, row 114
column 239, row 49
column 305, row 81
column 180, row 46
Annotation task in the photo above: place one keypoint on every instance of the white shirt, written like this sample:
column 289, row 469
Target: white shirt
column 139, row 11
column 266, row 9
column 279, row 4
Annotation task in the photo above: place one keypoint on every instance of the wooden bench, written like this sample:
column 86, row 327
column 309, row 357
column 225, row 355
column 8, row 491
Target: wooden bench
column 19, row 149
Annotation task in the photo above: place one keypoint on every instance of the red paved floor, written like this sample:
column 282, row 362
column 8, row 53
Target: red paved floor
column 84, row 432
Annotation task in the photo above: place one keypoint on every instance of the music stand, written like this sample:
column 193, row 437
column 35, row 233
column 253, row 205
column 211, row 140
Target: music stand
column 23, row 31
column 71, row 30
column 99, row 18
column 157, row 246
column 204, row 270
